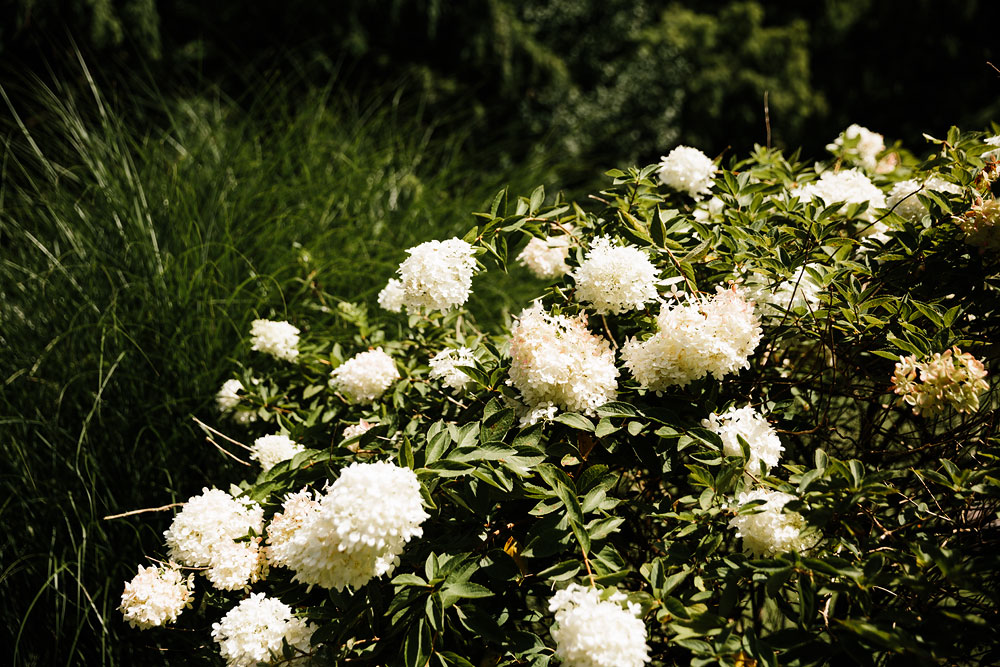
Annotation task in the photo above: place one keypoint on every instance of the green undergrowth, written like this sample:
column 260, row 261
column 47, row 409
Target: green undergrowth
column 139, row 238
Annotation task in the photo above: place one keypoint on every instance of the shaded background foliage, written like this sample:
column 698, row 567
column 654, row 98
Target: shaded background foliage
column 107, row 353
column 609, row 81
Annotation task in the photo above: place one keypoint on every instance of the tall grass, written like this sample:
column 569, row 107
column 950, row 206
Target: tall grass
column 138, row 240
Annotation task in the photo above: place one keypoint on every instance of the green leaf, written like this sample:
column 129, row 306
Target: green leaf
column 582, row 537
column 417, row 645
column 495, row 426
column 436, row 447
column 495, row 207
column 575, row 420
column 537, row 197
column 449, row 468
column 408, row 580
column 453, row 592
column 312, row 390
column 619, row 409
column 494, row 451
column 601, row 528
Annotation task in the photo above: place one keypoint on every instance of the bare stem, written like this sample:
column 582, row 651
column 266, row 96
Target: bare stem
column 147, row 509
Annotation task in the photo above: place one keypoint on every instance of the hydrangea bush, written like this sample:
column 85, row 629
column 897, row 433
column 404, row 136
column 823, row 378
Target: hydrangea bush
column 755, row 428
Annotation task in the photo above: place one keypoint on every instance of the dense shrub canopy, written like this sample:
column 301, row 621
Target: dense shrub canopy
column 787, row 457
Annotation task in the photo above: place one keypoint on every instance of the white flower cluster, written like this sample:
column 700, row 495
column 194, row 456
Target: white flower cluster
column 228, row 399
column 391, row 297
column 849, row 186
column 437, row 275
column 357, row 429
column 204, row 534
column 269, row 450
column 714, row 336
column 982, row 225
column 546, row 258
column 255, row 630
column 800, row 291
column 279, row 339
column 746, row 423
column 615, row 278
column 903, row 198
column 229, row 395
column 155, row 596
column 687, row 169
column 770, row 530
column 863, row 145
column 710, row 209
column 364, row 377
column 592, row 632
column 557, row 361
column 353, row 532
column 443, row 367
column 993, row 154
column 951, row 379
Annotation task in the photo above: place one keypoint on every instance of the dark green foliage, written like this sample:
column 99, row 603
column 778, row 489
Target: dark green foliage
column 139, row 239
column 617, row 82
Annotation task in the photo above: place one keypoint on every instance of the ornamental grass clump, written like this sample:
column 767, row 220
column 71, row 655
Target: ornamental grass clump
column 686, row 450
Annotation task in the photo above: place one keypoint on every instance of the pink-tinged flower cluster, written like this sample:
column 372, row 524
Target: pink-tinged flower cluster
column 982, row 225
column 546, row 258
column 155, row 596
column 702, row 337
column 557, row 361
column 951, row 379
column 353, row 532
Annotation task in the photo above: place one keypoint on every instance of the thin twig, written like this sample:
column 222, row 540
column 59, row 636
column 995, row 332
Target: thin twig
column 767, row 120
column 590, row 573
column 220, row 434
column 225, row 451
column 608, row 331
column 148, row 509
